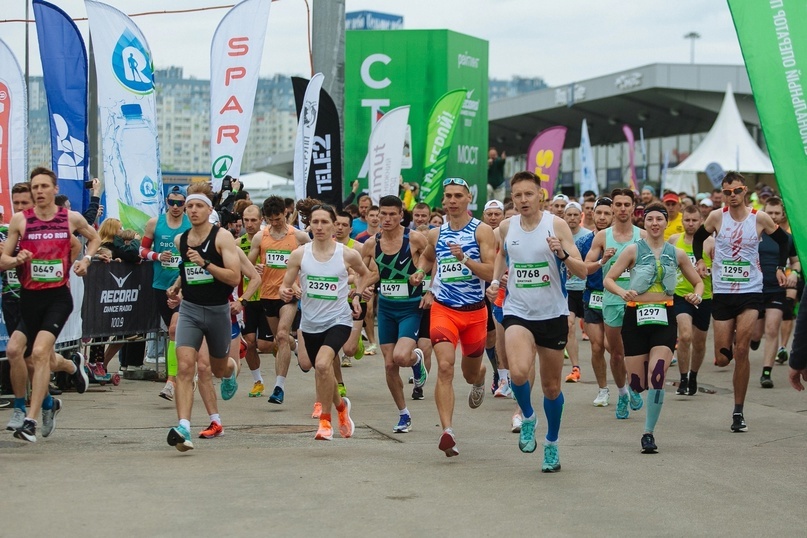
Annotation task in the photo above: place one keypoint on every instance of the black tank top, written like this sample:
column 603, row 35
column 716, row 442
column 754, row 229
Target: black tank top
column 199, row 286
column 395, row 269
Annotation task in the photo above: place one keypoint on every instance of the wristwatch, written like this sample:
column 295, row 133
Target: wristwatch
column 204, row 265
column 565, row 257
column 465, row 258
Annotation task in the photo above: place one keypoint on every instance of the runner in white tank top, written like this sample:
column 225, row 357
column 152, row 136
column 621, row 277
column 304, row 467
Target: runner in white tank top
column 536, row 243
column 737, row 280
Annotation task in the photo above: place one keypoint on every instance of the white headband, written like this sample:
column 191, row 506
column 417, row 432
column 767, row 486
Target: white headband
column 200, row 197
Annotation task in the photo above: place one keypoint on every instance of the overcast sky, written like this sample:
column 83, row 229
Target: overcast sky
column 561, row 41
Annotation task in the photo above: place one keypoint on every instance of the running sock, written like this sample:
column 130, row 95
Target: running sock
column 215, row 417
column 766, row 371
column 623, row 390
column 341, row 407
column 256, row 375
column 185, row 423
column 491, row 353
column 19, row 403
column 326, row 417
column 504, row 373
column 47, row 402
column 171, row 359
column 522, row 393
column 280, row 381
column 404, row 411
column 553, row 409
column 738, row 408
column 655, row 398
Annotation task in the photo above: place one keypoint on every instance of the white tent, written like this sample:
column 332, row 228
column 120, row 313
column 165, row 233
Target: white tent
column 728, row 144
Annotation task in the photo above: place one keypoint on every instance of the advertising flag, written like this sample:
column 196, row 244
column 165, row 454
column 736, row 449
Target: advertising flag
column 127, row 112
column 13, row 126
column 235, row 61
column 588, row 171
column 631, row 157
column 320, row 152
column 64, row 71
column 773, row 40
column 386, row 151
column 443, row 120
column 543, row 156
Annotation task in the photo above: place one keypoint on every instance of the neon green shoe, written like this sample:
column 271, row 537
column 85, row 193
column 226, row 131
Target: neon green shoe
column 359, row 350
column 257, row 390
column 342, row 390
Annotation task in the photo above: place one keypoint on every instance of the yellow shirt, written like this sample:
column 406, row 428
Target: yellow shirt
column 675, row 226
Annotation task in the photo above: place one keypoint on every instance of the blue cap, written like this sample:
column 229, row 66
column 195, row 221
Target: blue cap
column 131, row 110
column 649, row 188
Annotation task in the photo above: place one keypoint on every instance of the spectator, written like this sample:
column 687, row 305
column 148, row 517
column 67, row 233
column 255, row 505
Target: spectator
column 496, row 186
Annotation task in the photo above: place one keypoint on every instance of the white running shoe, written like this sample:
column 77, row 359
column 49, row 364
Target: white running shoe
column 517, row 420
column 602, row 398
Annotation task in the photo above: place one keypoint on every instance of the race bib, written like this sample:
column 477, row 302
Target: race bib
column 451, row 270
column 322, row 287
column 624, row 277
column 47, row 270
column 427, row 284
column 735, row 271
column 651, row 314
column 530, row 275
column 172, row 263
column 195, row 275
column 693, row 260
column 595, row 300
column 277, row 259
column 12, row 280
column 395, row 289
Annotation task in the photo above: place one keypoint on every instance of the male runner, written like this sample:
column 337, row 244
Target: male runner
column 535, row 312
column 394, row 253
column 44, row 234
column 737, row 280
column 271, row 248
column 574, row 286
column 463, row 249
column 208, row 272
column 492, row 216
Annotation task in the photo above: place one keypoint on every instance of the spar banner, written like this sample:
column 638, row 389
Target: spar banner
column 323, row 179
column 442, row 124
column 127, row 112
column 235, row 61
column 543, row 156
column 386, row 152
column 588, row 169
column 118, row 300
column 628, row 132
column 773, row 39
column 64, row 71
column 13, row 126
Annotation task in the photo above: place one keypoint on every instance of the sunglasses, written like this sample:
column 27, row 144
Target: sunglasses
column 603, row 201
column 175, row 203
column 324, row 207
column 638, row 212
column 737, row 191
column 455, row 181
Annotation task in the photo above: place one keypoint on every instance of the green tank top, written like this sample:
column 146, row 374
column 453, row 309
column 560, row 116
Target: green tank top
column 245, row 244
column 683, row 287
column 623, row 280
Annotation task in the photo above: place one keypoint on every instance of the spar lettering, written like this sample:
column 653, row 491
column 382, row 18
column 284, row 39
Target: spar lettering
column 236, row 47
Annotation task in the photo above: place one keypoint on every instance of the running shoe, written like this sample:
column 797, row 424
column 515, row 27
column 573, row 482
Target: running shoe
column 359, row 350
column 517, row 422
column 342, row 389
column 17, row 418
column 636, row 401
column 565, row 354
column 257, row 390
column 551, row 462
column 737, row 423
column 346, row 362
column 214, row 430
column 324, row 432
column 692, row 388
column 404, row 423
column 448, row 444
column 317, row 410
column 495, row 385
column 755, row 344
column 277, row 396
column 574, row 375
column 782, row 355
column 603, row 396
column 504, row 390
column 229, row 385
column 371, row 349
column 419, row 369
column 26, row 432
column 346, row 426
column 168, row 391
column 80, row 379
column 674, row 361
column 622, row 406
column 766, row 382
column 526, row 439
column 683, row 387
column 649, row 444
column 417, row 393
column 49, row 417
column 411, row 380
column 476, row 395
column 180, row 438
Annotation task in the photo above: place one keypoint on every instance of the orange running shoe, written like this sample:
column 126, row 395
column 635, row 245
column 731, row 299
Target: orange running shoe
column 346, row 426
column 214, row 430
column 317, row 410
column 574, row 376
column 325, row 431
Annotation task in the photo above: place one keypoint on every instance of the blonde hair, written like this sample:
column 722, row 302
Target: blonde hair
column 109, row 229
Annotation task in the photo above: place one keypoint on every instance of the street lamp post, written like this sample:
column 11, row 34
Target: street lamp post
column 692, row 36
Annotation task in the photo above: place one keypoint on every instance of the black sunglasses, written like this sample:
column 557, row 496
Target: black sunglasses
column 175, row 203
column 603, row 201
column 737, row 191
